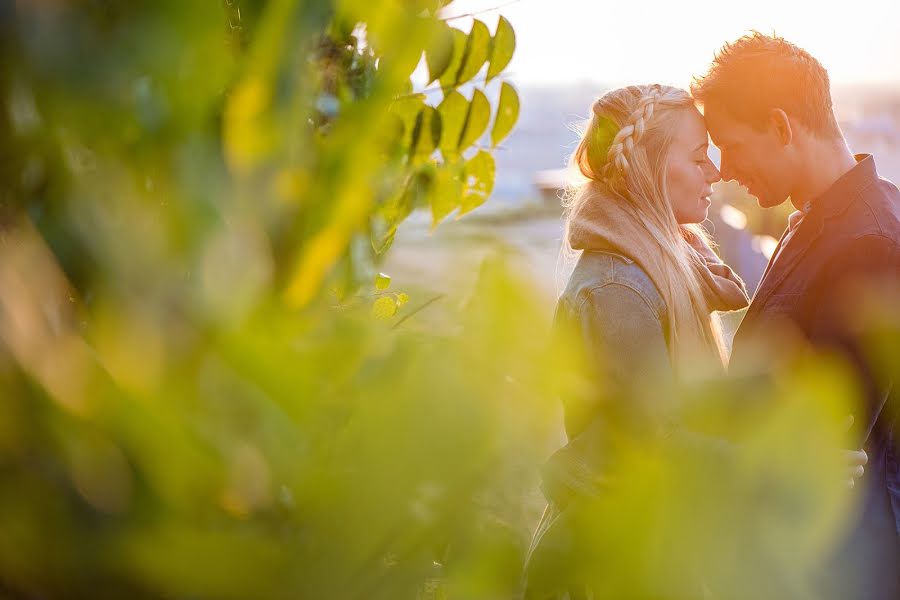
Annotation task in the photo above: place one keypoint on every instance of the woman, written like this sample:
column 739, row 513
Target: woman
column 649, row 179
column 644, row 292
column 643, row 295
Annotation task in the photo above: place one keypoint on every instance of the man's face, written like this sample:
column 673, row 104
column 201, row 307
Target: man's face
column 755, row 159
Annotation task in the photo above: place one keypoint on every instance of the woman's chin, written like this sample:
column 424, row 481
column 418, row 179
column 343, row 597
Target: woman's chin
column 703, row 212
column 693, row 219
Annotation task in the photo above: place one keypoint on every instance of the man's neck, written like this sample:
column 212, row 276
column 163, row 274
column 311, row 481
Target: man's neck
column 826, row 161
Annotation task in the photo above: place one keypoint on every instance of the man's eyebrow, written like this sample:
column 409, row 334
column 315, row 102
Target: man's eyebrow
column 703, row 145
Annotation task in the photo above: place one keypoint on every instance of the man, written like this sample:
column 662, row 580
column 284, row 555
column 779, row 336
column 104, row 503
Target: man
column 767, row 105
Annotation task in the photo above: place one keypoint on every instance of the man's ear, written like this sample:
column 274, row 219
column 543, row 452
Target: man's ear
column 781, row 125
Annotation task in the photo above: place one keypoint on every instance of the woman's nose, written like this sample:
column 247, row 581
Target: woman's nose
column 713, row 175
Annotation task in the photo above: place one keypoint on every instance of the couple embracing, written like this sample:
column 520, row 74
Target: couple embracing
column 647, row 288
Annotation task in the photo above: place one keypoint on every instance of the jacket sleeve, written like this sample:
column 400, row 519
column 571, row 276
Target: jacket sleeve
column 859, row 279
column 624, row 335
column 626, row 339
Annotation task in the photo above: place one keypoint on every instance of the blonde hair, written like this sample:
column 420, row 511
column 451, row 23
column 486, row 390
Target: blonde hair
column 623, row 154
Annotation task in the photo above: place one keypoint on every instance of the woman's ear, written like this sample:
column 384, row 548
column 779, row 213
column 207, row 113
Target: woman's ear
column 781, row 125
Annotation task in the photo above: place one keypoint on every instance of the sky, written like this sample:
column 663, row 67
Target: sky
column 664, row 41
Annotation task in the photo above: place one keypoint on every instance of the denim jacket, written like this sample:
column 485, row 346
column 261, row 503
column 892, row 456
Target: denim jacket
column 621, row 320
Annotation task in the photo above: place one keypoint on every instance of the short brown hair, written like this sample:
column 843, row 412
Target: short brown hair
column 758, row 72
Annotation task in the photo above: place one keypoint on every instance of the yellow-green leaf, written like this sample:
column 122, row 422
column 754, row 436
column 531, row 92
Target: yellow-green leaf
column 318, row 256
column 408, row 109
column 503, row 44
column 476, row 53
column 384, row 307
column 453, row 112
column 477, row 119
column 418, row 190
column 426, row 132
column 446, row 193
column 398, row 40
column 507, row 113
column 248, row 135
column 449, row 78
column 382, row 281
column 478, row 176
column 439, row 55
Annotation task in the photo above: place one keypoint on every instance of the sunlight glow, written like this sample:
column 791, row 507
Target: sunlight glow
column 566, row 41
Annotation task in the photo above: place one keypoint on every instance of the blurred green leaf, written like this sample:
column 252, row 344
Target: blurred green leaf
column 503, row 45
column 507, row 114
column 479, row 174
column 446, row 193
column 249, row 137
column 427, row 132
column 384, row 307
column 453, row 110
column 477, row 119
column 475, row 53
column 407, row 109
column 450, row 78
column 439, row 55
column 382, row 281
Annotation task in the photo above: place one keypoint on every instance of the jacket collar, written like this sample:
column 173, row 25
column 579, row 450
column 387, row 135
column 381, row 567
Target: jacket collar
column 843, row 192
column 830, row 204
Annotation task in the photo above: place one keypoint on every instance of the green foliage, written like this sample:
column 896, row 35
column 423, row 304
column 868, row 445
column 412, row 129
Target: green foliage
column 206, row 389
column 740, row 496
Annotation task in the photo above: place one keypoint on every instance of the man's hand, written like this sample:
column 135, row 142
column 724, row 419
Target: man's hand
column 856, row 460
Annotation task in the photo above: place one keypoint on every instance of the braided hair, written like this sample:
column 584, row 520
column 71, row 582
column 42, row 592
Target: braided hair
column 622, row 146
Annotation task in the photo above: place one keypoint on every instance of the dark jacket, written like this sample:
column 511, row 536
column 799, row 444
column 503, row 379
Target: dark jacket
column 849, row 236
